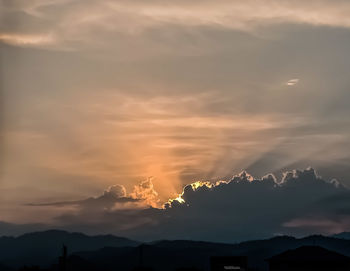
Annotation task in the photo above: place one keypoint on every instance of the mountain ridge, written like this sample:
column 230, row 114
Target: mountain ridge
column 109, row 252
column 42, row 247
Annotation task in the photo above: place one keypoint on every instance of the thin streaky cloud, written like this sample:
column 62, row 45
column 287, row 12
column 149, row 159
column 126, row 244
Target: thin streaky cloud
column 293, row 82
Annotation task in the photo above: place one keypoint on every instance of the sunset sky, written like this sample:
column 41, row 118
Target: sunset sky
column 137, row 99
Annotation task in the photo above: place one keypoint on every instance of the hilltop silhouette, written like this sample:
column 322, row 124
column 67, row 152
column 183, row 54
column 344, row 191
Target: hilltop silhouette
column 42, row 248
column 309, row 258
column 107, row 252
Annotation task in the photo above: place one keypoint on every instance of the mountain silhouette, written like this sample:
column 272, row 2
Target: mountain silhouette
column 42, row 248
column 182, row 254
column 108, row 252
column 311, row 258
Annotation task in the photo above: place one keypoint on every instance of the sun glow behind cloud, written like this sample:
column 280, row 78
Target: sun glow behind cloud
column 150, row 88
column 155, row 137
column 126, row 138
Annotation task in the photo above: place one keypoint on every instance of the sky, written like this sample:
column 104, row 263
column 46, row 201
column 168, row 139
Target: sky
column 113, row 108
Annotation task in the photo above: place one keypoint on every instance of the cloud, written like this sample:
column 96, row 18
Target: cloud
column 292, row 82
column 112, row 196
column 231, row 210
column 145, row 191
column 240, row 208
column 29, row 40
column 206, row 101
column 117, row 191
column 331, row 224
column 268, row 184
column 88, row 19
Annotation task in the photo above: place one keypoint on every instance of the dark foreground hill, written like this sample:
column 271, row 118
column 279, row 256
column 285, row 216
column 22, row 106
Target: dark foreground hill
column 114, row 253
column 172, row 255
column 42, row 248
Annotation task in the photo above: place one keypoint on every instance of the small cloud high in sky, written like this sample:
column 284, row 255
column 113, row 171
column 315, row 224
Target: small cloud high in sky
column 97, row 96
column 292, row 82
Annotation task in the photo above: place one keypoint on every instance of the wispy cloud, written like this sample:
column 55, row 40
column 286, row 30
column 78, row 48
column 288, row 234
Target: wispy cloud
column 114, row 197
column 135, row 89
column 292, row 82
column 77, row 23
column 27, row 40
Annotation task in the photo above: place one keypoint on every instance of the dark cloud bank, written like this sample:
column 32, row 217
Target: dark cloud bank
column 228, row 211
column 111, row 196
